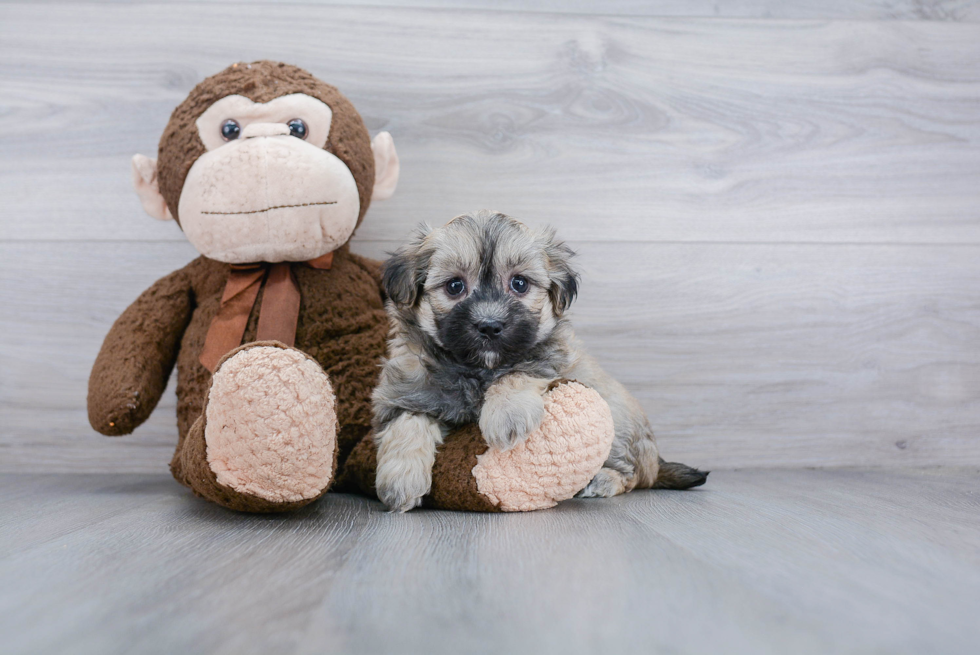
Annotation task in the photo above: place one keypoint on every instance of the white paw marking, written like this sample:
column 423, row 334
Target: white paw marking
column 406, row 453
column 507, row 419
column 606, row 484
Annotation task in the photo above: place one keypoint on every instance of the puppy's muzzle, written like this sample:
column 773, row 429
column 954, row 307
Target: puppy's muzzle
column 491, row 329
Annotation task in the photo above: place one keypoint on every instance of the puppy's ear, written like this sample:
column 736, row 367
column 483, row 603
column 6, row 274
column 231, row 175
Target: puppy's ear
column 398, row 277
column 403, row 275
column 564, row 278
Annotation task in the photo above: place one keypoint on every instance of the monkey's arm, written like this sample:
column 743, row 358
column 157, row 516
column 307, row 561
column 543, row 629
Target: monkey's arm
column 131, row 371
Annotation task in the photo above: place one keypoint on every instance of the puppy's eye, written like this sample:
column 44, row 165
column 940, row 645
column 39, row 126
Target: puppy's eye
column 230, row 130
column 455, row 286
column 519, row 284
column 297, row 128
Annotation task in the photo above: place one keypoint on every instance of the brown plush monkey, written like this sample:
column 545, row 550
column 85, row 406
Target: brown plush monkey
column 269, row 171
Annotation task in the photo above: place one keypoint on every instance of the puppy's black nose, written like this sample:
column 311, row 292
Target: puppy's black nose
column 490, row 329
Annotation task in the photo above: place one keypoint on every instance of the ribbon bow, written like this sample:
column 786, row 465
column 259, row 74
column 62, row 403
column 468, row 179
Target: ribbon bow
column 278, row 314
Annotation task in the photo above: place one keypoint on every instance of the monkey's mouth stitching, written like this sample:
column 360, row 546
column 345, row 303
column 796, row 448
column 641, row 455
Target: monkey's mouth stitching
column 269, row 209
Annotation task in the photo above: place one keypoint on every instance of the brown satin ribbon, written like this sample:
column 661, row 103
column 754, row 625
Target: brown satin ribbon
column 278, row 314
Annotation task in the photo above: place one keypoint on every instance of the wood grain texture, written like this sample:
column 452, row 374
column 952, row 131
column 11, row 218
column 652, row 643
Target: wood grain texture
column 613, row 128
column 755, row 562
column 743, row 355
column 779, row 219
column 938, row 10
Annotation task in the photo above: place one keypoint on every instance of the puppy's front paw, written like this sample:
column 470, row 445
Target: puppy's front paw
column 406, row 453
column 507, row 419
column 401, row 483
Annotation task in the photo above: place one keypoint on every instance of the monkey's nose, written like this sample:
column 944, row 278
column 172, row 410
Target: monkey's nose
column 491, row 328
column 265, row 129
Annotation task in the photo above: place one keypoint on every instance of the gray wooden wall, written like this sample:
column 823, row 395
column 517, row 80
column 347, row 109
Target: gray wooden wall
column 777, row 204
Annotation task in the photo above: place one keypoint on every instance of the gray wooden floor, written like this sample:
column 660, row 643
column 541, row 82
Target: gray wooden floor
column 772, row 561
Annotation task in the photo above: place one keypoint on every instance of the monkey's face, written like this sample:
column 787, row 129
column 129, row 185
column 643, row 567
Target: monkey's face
column 484, row 287
column 264, row 162
column 266, row 189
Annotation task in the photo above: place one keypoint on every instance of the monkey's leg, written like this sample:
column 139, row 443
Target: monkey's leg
column 267, row 438
column 550, row 465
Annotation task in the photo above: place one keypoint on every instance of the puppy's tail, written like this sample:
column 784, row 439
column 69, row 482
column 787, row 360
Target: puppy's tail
column 674, row 475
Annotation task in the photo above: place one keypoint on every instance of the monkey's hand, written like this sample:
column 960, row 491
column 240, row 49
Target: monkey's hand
column 406, row 452
column 513, row 407
column 132, row 368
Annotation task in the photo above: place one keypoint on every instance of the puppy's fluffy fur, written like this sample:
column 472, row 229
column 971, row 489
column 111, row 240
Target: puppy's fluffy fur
column 478, row 333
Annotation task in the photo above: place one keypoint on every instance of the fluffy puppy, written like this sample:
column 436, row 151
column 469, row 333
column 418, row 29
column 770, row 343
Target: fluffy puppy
column 478, row 333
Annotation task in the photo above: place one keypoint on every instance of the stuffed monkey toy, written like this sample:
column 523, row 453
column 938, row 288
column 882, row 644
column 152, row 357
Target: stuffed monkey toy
column 277, row 329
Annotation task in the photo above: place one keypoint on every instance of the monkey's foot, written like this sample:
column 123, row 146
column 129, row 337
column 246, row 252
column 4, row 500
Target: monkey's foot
column 269, row 430
column 553, row 463
column 557, row 460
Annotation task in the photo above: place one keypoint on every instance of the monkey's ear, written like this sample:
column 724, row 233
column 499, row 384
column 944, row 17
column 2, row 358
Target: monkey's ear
column 386, row 166
column 147, row 188
column 564, row 278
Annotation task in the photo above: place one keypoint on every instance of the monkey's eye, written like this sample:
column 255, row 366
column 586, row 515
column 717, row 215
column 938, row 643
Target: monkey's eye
column 519, row 284
column 455, row 287
column 297, row 128
column 230, row 130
